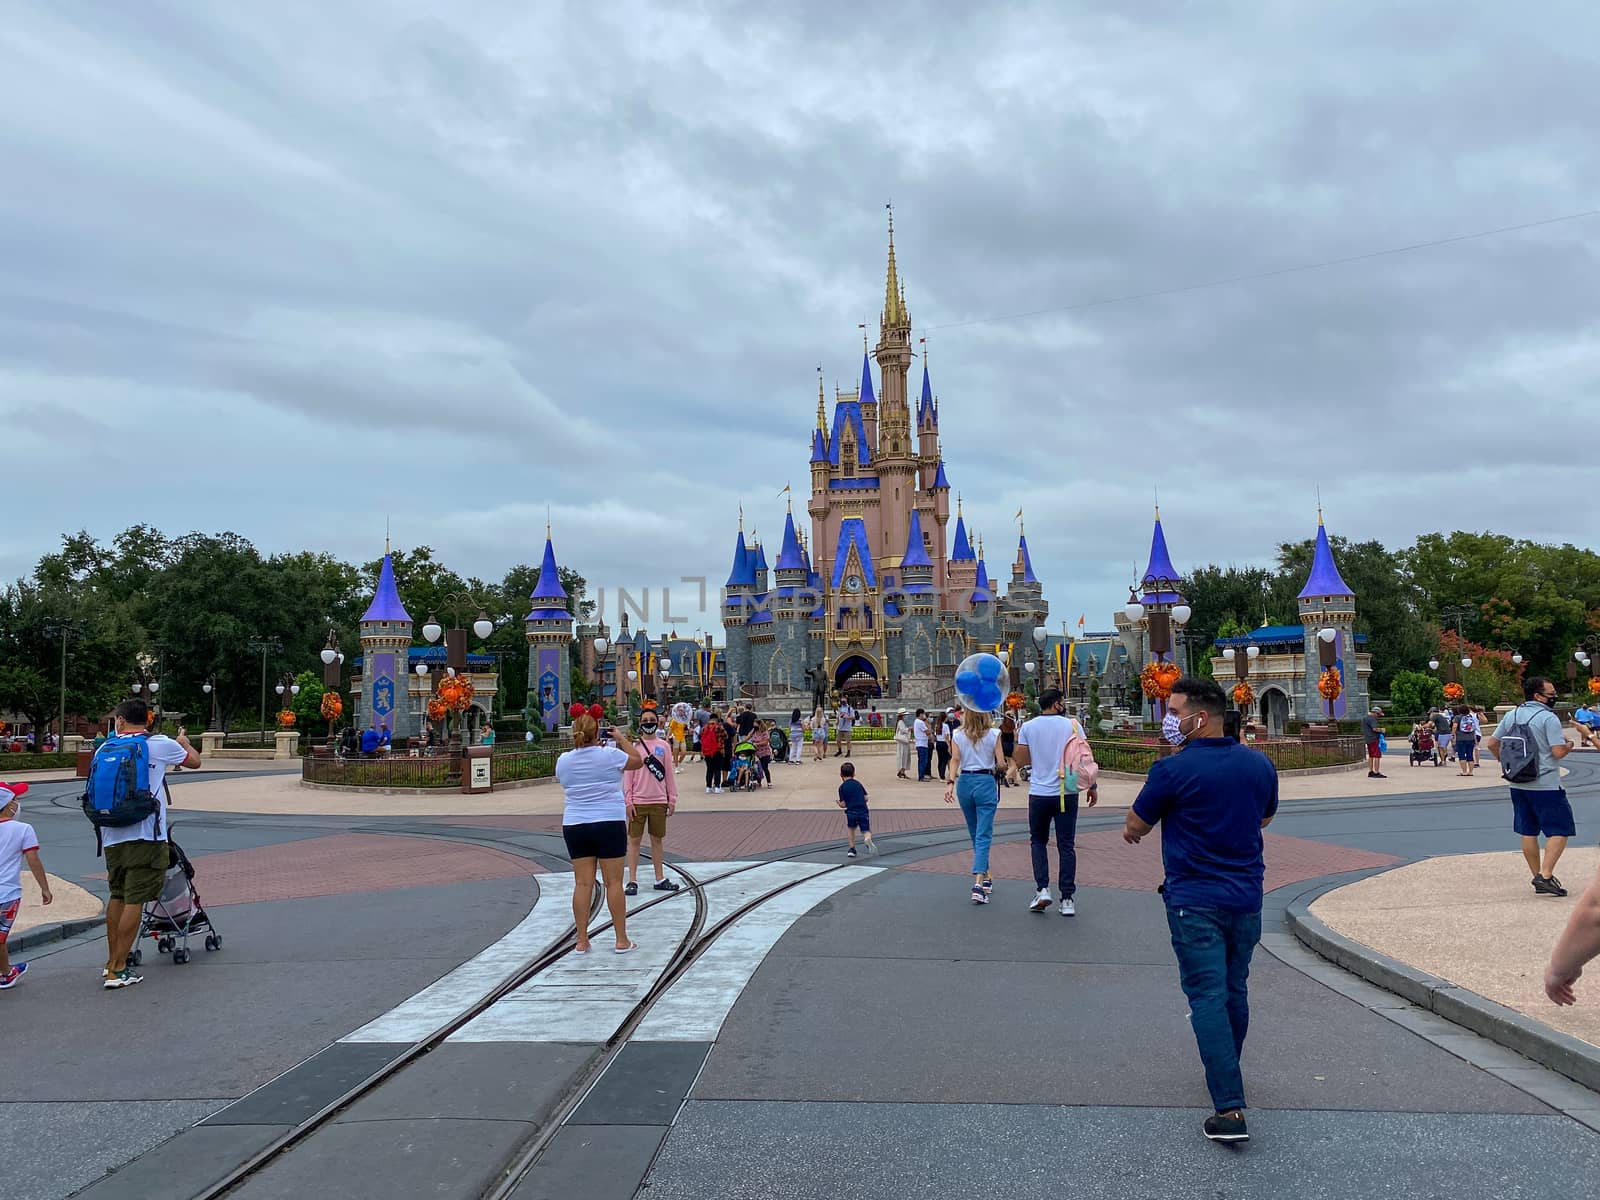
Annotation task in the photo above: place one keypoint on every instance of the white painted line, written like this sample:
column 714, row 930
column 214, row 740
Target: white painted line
column 453, row 994
column 693, row 1009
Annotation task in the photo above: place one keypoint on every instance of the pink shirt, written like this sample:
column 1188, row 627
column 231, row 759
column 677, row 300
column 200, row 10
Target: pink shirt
column 641, row 787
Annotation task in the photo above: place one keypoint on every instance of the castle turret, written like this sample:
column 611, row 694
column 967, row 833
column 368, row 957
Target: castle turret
column 548, row 631
column 738, row 603
column 927, row 433
column 385, row 696
column 1326, row 602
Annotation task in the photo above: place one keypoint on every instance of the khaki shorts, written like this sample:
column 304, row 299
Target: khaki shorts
column 653, row 815
column 135, row 870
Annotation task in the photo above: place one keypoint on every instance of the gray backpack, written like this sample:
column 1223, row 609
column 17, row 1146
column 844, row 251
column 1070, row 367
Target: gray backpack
column 1519, row 751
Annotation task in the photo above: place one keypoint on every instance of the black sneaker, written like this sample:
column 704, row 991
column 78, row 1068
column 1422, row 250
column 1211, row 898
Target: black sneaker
column 1227, row 1127
column 1548, row 887
column 666, row 885
column 632, row 889
column 850, row 853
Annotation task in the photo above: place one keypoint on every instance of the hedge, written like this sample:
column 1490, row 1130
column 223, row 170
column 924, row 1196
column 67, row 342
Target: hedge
column 28, row 761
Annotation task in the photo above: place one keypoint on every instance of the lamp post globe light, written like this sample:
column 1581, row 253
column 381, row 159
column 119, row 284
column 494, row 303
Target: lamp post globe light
column 483, row 626
column 1040, row 636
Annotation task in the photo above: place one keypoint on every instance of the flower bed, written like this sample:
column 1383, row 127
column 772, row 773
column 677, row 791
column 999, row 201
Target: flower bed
column 1287, row 754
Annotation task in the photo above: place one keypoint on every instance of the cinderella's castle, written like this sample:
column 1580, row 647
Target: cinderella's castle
column 880, row 599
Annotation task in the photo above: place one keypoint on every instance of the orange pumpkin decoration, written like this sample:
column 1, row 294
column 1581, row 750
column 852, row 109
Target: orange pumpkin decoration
column 332, row 706
column 1243, row 694
column 1454, row 691
column 1329, row 685
column 286, row 718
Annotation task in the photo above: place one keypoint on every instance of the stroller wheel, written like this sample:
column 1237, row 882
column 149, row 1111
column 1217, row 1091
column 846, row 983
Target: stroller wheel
column 135, row 957
column 213, row 942
column 163, row 945
column 180, row 956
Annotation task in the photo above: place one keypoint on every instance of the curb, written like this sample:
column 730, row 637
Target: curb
column 1532, row 1039
column 43, row 935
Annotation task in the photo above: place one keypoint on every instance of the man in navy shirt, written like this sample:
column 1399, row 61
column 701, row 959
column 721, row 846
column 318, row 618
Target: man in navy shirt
column 1212, row 801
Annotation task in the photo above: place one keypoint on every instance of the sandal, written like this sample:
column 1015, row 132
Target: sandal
column 628, row 949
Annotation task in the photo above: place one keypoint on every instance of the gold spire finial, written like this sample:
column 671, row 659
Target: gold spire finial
column 822, row 409
column 386, row 537
column 741, row 516
column 547, row 522
column 894, row 305
column 958, row 504
column 1319, row 506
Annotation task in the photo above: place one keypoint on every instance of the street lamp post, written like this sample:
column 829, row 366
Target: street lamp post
column 602, row 644
column 1241, row 663
column 1160, row 615
column 264, row 646
column 63, row 630
column 209, row 687
column 1585, row 655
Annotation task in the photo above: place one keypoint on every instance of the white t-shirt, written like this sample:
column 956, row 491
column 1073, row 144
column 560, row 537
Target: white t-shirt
column 16, row 839
column 941, row 729
column 1046, row 737
column 847, row 719
column 164, row 753
column 591, row 776
column 979, row 755
column 919, row 732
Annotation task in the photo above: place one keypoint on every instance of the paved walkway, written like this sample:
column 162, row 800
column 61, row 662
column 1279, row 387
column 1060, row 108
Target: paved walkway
column 1474, row 920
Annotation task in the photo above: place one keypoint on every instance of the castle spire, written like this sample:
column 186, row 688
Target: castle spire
column 894, row 305
column 1324, row 579
column 386, row 604
column 822, row 408
column 549, row 597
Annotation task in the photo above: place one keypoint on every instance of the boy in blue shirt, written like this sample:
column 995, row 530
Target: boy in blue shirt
column 1212, row 801
column 853, row 799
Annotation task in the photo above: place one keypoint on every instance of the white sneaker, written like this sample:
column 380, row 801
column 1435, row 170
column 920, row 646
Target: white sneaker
column 1041, row 901
column 708, row 791
column 1067, row 910
column 716, row 791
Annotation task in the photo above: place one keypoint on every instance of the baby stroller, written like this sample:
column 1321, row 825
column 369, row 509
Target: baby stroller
column 746, row 772
column 780, row 745
column 1422, row 746
column 176, row 913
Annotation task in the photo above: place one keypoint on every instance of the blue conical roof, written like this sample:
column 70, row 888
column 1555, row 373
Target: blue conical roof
column 939, row 478
column 744, row 572
column 916, row 554
column 982, row 593
column 925, row 404
column 789, row 556
column 1160, row 563
column 962, row 551
column 1325, row 579
column 1027, row 562
column 549, row 597
column 386, row 604
column 867, row 395
column 819, row 446
column 760, row 563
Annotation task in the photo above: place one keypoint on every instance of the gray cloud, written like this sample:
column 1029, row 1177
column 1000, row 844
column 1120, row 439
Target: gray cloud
column 450, row 267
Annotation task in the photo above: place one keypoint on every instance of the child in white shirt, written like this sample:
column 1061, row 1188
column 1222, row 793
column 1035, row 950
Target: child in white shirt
column 18, row 843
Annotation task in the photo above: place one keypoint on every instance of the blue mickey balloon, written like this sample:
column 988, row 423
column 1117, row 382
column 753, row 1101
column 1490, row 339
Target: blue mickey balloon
column 978, row 682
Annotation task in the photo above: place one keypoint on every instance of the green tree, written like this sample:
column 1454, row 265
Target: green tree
column 1414, row 692
column 307, row 706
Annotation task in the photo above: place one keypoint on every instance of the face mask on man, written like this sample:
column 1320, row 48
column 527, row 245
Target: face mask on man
column 1172, row 729
column 647, row 726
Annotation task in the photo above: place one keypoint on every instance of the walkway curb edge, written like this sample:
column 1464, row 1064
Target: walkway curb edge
column 43, row 935
column 1561, row 1052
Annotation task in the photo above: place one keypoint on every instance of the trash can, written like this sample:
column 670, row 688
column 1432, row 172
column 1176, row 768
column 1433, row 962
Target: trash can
column 81, row 762
column 477, row 769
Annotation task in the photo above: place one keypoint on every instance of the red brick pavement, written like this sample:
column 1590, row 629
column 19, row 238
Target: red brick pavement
column 712, row 837
column 345, row 862
column 1105, row 860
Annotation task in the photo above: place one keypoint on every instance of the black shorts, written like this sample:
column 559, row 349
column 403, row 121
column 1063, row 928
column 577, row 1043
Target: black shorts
column 596, row 839
column 858, row 818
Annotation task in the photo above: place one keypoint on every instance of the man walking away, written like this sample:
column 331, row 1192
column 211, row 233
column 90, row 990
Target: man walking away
column 1529, row 744
column 1042, row 743
column 923, row 742
column 1441, row 736
column 137, row 855
column 1212, row 802
column 1370, row 733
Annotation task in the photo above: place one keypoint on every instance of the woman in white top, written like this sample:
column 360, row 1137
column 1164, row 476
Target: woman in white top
column 902, row 745
column 594, row 821
column 819, row 733
column 974, row 759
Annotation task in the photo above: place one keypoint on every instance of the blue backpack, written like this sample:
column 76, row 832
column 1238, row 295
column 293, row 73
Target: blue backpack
column 117, row 792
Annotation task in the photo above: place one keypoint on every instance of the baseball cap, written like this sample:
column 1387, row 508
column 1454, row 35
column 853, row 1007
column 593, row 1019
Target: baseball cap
column 10, row 792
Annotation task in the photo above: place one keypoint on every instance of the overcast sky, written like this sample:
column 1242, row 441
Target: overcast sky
column 295, row 269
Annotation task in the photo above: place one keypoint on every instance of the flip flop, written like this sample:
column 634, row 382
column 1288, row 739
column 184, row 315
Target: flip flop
column 628, row 949
column 575, row 950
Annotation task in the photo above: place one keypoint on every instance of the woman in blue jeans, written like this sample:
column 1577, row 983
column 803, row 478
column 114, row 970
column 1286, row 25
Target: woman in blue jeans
column 975, row 757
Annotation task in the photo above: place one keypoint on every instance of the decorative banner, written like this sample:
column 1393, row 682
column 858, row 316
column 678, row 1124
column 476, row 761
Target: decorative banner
column 1339, row 705
column 382, row 689
column 549, row 676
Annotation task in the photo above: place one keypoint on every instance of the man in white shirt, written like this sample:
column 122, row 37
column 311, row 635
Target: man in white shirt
column 137, row 856
column 919, row 737
column 847, row 724
column 1042, row 743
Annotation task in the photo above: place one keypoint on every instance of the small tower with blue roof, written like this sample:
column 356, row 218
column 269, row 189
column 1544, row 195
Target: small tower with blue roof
column 548, row 630
column 383, row 699
column 738, row 603
column 1326, row 602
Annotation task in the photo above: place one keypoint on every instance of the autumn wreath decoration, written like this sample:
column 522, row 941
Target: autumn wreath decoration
column 1454, row 691
column 286, row 718
column 436, row 710
column 1015, row 700
column 455, row 692
column 1329, row 685
column 1157, row 678
column 1243, row 694
column 1594, row 687
column 332, row 706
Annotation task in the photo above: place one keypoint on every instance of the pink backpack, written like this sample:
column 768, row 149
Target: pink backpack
column 1077, row 759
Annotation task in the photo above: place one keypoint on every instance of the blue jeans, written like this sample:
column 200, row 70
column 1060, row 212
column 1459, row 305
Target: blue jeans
column 1213, row 949
column 924, row 762
column 1043, row 812
column 979, row 795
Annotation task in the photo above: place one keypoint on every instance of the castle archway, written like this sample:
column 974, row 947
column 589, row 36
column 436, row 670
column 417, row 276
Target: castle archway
column 857, row 675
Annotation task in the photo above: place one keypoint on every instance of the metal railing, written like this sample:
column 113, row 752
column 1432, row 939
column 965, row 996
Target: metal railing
column 423, row 771
column 1287, row 754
